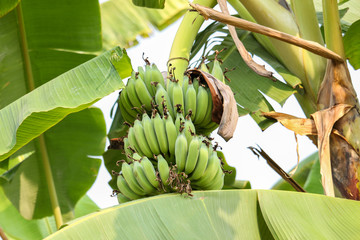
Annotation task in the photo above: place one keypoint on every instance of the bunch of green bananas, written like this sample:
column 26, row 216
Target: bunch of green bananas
column 146, row 89
column 162, row 148
column 196, row 165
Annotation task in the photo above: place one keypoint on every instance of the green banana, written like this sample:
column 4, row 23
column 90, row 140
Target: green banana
column 121, row 198
column 215, row 183
column 217, row 71
column 185, row 83
column 171, row 133
column 127, row 149
column 141, row 72
column 208, row 116
column 201, row 105
column 125, row 114
column 160, row 131
column 128, row 173
column 196, row 83
column 169, row 87
column 164, row 170
column 157, row 76
column 132, row 95
column 150, row 134
column 177, row 97
column 149, row 171
column 141, row 139
column 161, row 97
column 141, row 178
column 124, row 99
column 179, row 121
column 189, row 129
column 210, row 172
column 125, row 189
column 132, row 141
column 192, row 155
column 204, row 68
column 201, row 162
column 181, row 147
column 148, row 79
column 143, row 93
column 190, row 101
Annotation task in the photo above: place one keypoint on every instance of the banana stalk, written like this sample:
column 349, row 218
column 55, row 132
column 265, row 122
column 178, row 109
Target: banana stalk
column 184, row 38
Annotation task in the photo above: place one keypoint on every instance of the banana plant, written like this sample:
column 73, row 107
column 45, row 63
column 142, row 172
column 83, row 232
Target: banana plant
column 323, row 87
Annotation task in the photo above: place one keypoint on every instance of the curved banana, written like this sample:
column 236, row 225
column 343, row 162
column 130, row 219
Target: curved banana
column 171, row 133
column 121, row 198
column 143, row 93
column 189, row 129
column 217, row 182
column 204, row 68
column 149, row 171
column 217, row 71
column 210, row 172
column 196, row 83
column 127, row 104
column 192, row 155
column 125, row 114
column 125, row 189
column 181, row 147
column 142, row 179
column 201, row 105
column 127, row 149
column 157, row 76
column 160, row 131
column 185, row 83
column 141, row 139
column 190, row 101
column 164, row 170
column 132, row 141
column 162, row 98
column 128, row 173
column 132, row 95
column 201, row 162
column 179, row 121
column 141, row 72
column 148, row 79
column 177, row 97
column 150, row 134
column 208, row 116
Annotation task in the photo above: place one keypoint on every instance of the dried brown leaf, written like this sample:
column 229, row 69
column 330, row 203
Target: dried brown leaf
column 224, row 105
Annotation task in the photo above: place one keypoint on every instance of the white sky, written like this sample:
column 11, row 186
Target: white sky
column 277, row 141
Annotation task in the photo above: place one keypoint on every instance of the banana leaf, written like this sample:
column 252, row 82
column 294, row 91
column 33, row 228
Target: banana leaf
column 16, row 227
column 123, row 22
column 352, row 45
column 69, row 144
column 150, row 4
column 7, row 6
column 227, row 214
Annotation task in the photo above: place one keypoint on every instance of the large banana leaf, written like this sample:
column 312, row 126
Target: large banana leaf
column 34, row 113
column 229, row 214
column 69, row 144
column 7, row 6
column 16, row 227
column 123, row 22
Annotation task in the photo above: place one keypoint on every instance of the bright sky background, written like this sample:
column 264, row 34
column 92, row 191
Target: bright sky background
column 277, row 141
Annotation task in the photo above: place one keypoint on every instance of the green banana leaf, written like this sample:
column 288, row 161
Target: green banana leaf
column 122, row 21
column 307, row 175
column 150, row 4
column 227, row 214
column 34, row 113
column 352, row 15
column 7, row 6
column 352, row 44
column 16, row 227
column 69, row 144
